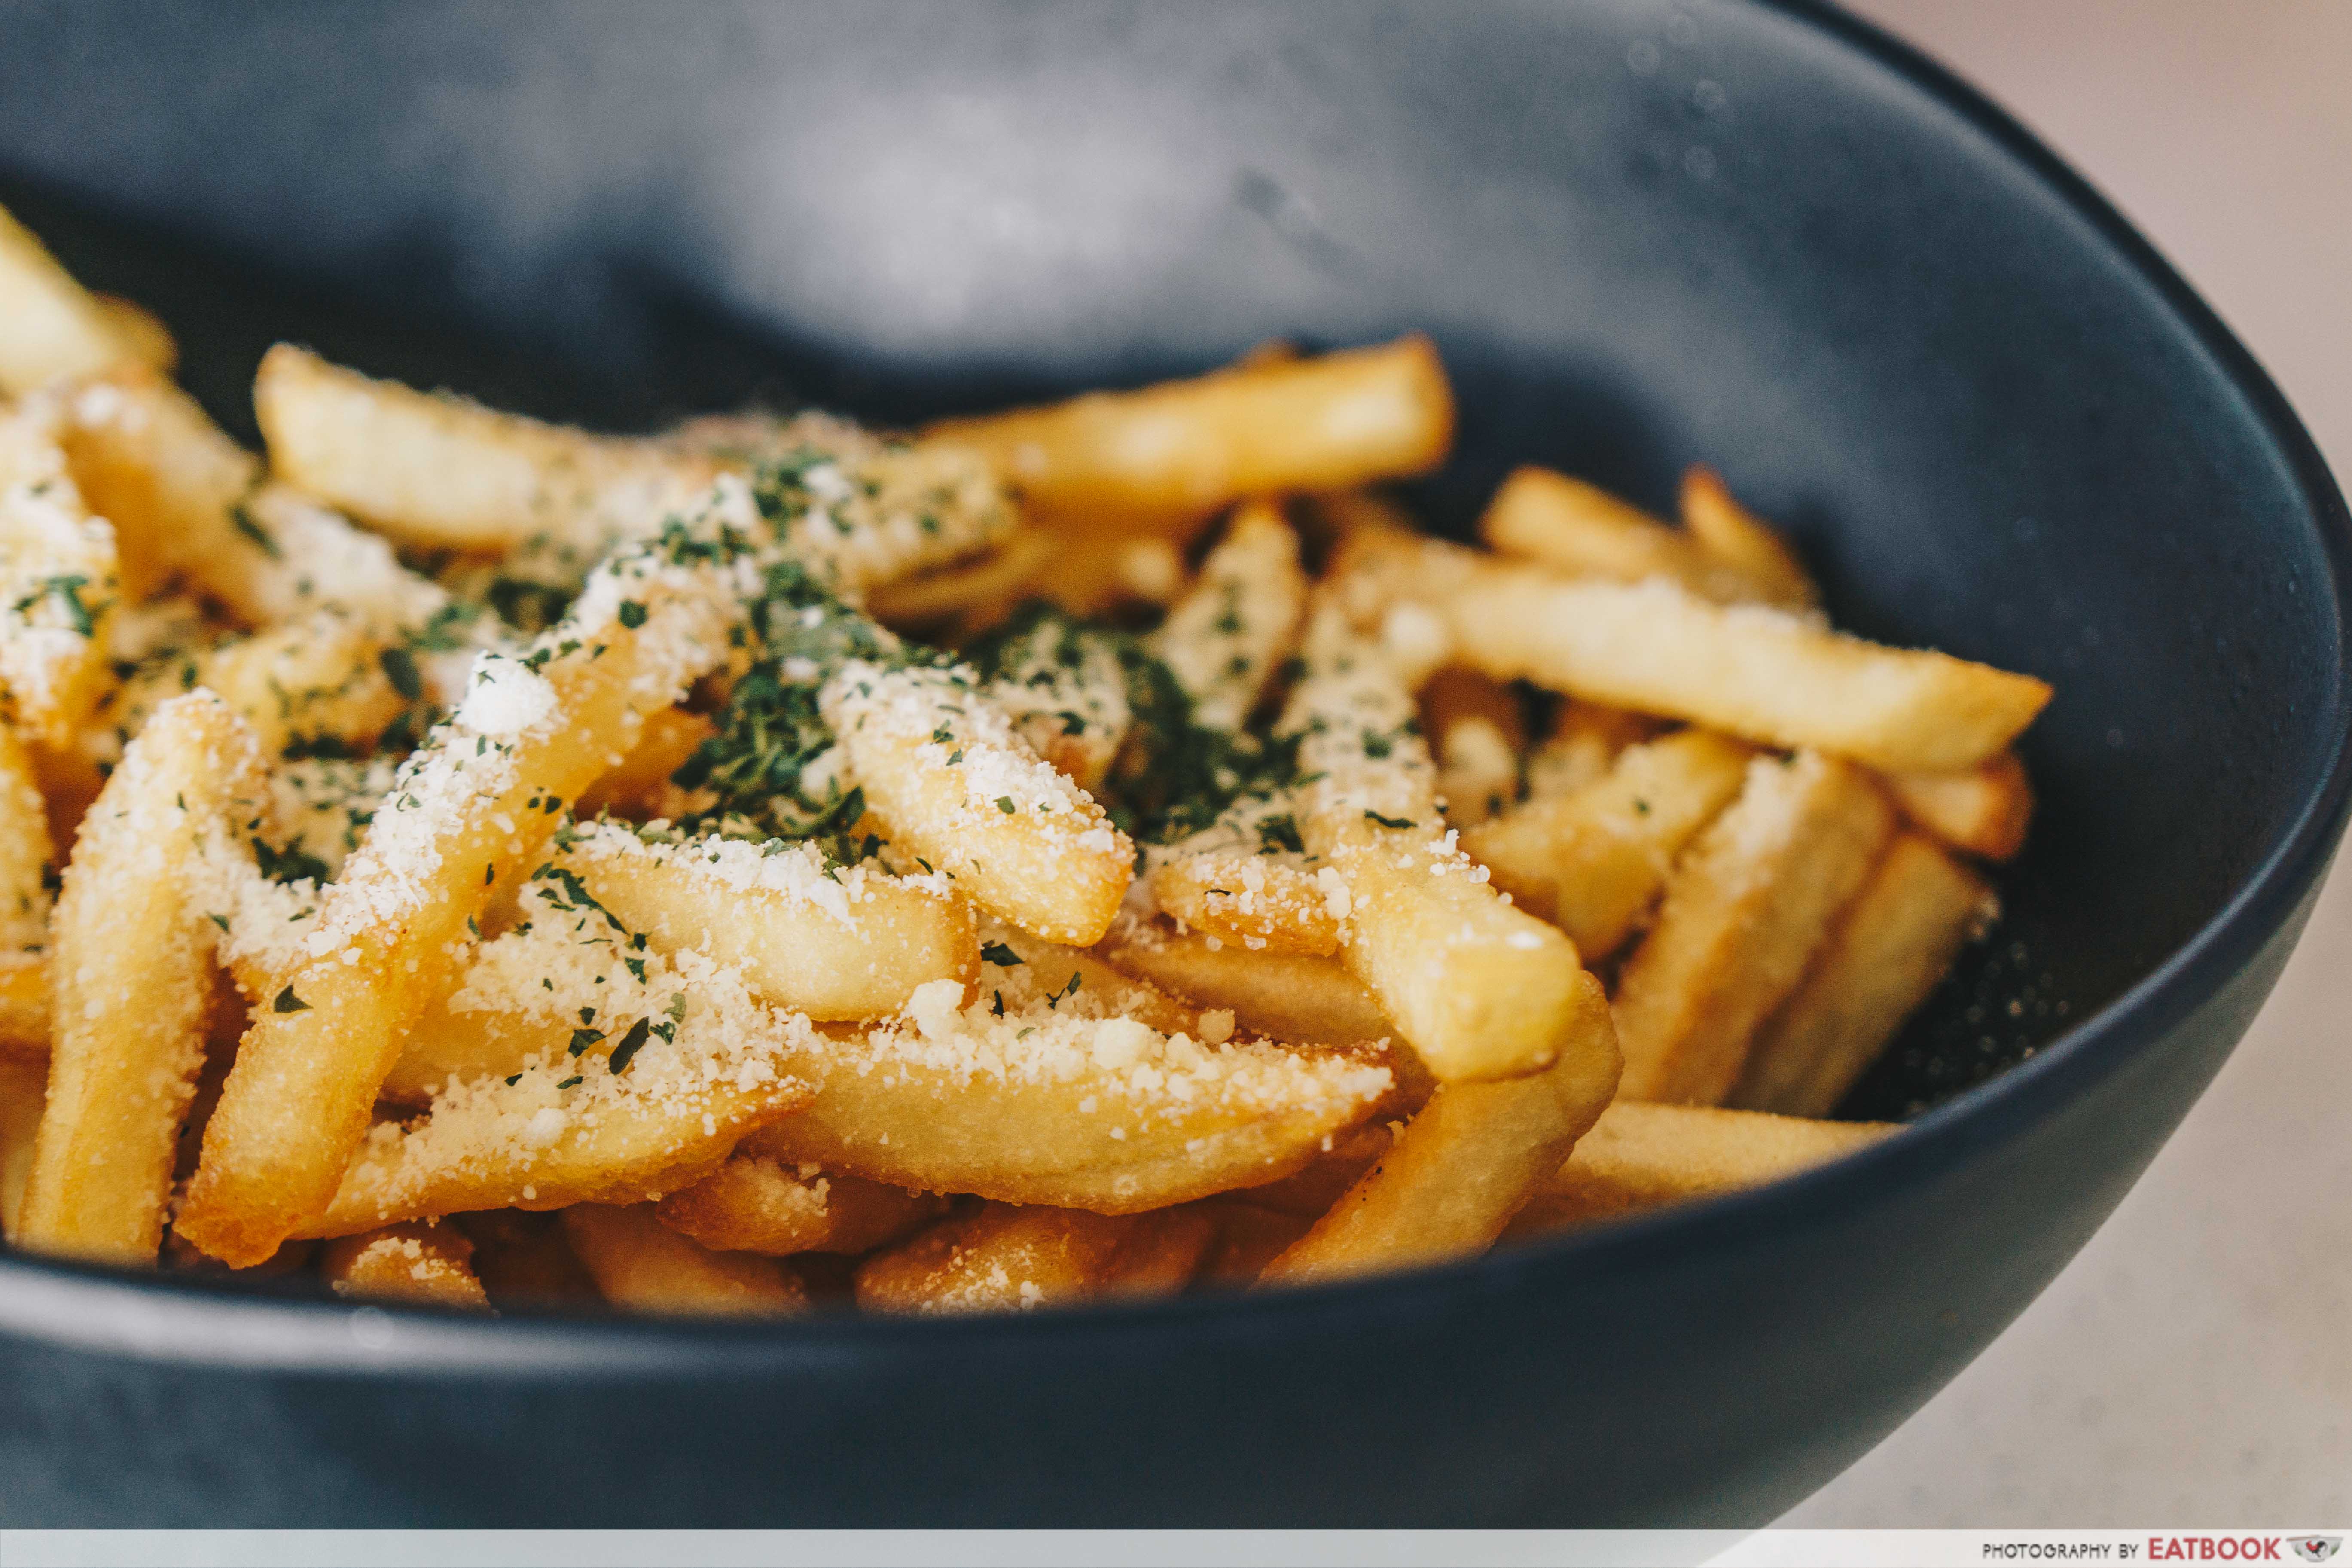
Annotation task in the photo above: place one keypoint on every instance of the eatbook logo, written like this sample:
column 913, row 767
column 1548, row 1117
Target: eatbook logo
column 2317, row 1547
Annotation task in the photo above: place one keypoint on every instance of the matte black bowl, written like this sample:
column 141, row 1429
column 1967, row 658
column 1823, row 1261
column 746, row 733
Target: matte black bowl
column 1642, row 235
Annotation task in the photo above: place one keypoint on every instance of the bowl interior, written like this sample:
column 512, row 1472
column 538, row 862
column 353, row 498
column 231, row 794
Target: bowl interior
column 1642, row 237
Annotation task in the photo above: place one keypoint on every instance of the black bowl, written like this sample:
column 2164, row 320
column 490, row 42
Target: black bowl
column 1642, row 235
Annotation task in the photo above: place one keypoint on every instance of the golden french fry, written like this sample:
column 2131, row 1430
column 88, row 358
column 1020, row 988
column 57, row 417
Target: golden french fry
column 59, row 582
column 24, row 1083
column 1311, row 1192
column 956, row 785
column 753, row 1204
column 27, row 862
column 639, row 786
column 186, row 501
column 140, row 331
column 1640, row 1155
column 829, row 942
column 442, row 470
column 1065, row 690
column 1983, row 810
column 530, row 734
column 1747, row 669
column 1477, row 988
column 1581, row 529
column 1224, row 638
column 1475, row 734
column 1463, row 1167
column 421, row 1265
column 132, row 974
column 1099, row 574
column 641, row 1264
column 524, row 1259
column 1024, row 973
column 970, row 595
column 1260, row 902
column 1585, row 739
column 1891, row 947
column 1744, row 911
column 25, row 1010
column 50, row 327
column 1004, row 1258
column 1284, row 996
column 1592, row 862
column 1744, row 541
column 1168, row 456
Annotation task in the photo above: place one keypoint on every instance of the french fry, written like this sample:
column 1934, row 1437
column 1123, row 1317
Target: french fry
column 1025, row 972
column 969, row 595
column 59, row 582
column 1747, row 669
column 186, row 501
column 1581, row 529
column 641, row 1264
column 1475, row 734
column 140, row 331
column 50, row 327
column 830, row 942
column 1248, row 1238
column 1744, row 911
column 1282, row 996
column 1477, row 988
column 1585, row 739
column 1311, row 1192
column 27, row 860
column 955, row 784
column 1065, row 690
column 1100, row 574
column 524, row 1259
column 639, row 786
column 1641, row 1156
column 753, row 1203
column 530, row 734
column 131, row 976
column 419, row 1264
column 25, row 1010
column 1258, row 901
column 1003, row 1257
column 1744, row 541
column 1463, row 1167
column 1890, row 949
column 1983, row 810
column 1163, row 459
column 1592, row 862
column 1224, row 638
column 23, row 1085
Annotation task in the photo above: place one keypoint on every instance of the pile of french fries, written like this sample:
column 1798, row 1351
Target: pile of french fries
column 1086, row 853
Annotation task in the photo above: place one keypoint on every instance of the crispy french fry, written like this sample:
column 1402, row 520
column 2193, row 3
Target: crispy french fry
column 1592, row 862
column 1581, row 529
column 1475, row 734
column 59, row 582
column 25, row 1010
column 23, row 1085
column 639, row 786
column 1983, row 810
column 1744, row 541
column 1224, row 638
column 186, row 501
column 1747, row 669
column 140, row 331
column 970, row 595
column 1281, row 995
column 1477, row 988
column 1744, row 911
column 50, row 327
column 829, row 942
column 1311, row 1192
column 641, row 1264
column 1001, row 1257
column 27, row 861
column 1168, row 456
column 753, row 1204
column 955, row 784
column 1065, row 690
column 441, row 470
column 530, row 734
column 421, row 1265
column 1891, row 947
column 1260, row 902
column 1464, row 1166
column 1585, row 739
column 131, row 975
column 1100, row 574
column 1640, row 1155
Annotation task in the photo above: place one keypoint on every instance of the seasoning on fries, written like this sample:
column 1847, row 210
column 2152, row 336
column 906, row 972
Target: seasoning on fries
column 1067, row 856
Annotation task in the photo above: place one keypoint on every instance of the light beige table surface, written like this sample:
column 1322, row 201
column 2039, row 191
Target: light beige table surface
column 2194, row 1366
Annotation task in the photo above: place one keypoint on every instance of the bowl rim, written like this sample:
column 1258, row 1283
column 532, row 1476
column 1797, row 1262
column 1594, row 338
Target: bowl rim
column 216, row 1321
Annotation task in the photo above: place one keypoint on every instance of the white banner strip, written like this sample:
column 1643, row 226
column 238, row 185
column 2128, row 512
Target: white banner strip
column 1149, row 1549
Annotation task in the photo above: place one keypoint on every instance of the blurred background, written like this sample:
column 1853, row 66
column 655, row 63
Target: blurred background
column 2193, row 1366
